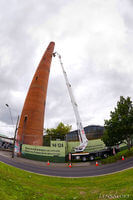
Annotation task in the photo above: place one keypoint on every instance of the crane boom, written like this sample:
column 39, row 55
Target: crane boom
column 81, row 133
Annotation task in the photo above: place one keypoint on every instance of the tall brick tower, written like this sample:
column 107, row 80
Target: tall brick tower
column 30, row 129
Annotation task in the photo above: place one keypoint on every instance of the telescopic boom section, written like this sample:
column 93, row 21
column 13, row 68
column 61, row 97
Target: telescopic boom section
column 81, row 133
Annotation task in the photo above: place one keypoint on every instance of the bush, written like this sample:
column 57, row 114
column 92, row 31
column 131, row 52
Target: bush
column 126, row 153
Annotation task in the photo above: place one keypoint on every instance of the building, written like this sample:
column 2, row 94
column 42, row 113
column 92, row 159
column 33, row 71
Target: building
column 92, row 132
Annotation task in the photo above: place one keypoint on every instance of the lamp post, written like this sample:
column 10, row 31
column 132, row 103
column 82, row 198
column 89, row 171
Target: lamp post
column 15, row 129
column 10, row 113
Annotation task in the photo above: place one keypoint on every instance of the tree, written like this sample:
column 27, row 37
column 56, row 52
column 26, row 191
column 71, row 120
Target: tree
column 119, row 128
column 60, row 131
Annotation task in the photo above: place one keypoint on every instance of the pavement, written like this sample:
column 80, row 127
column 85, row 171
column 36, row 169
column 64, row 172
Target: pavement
column 8, row 154
column 83, row 169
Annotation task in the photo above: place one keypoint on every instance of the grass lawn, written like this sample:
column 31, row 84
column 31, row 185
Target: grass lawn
column 19, row 184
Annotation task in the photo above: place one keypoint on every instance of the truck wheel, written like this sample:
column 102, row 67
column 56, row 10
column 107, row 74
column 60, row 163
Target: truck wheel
column 84, row 159
column 92, row 158
column 77, row 157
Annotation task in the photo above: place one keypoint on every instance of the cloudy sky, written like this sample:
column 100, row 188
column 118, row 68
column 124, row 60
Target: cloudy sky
column 96, row 43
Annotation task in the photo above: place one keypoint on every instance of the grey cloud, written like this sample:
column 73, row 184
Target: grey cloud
column 27, row 27
column 126, row 12
column 118, row 83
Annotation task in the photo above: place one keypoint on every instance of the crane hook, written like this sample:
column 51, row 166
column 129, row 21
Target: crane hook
column 54, row 54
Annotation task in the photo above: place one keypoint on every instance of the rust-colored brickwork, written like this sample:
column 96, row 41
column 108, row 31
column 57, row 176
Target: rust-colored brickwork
column 30, row 130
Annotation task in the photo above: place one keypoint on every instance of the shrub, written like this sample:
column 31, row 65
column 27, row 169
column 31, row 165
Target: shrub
column 126, row 153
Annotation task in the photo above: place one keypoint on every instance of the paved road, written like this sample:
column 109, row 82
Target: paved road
column 62, row 170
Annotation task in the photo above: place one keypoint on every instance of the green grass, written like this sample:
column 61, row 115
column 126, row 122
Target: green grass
column 126, row 153
column 16, row 184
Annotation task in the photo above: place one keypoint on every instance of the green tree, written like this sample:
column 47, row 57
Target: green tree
column 60, row 131
column 119, row 128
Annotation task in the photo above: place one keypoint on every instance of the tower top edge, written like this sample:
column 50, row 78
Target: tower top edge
column 52, row 42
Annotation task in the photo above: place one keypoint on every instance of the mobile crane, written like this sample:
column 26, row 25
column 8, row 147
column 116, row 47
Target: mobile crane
column 79, row 154
column 81, row 133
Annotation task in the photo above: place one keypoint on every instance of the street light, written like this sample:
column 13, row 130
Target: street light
column 15, row 128
column 10, row 113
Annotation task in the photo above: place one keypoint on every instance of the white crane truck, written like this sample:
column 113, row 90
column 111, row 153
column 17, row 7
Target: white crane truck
column 79, row 154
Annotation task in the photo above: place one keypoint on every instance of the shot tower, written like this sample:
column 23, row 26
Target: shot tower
column 30, row 129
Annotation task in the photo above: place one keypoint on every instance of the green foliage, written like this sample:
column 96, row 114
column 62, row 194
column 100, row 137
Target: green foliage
column 119, row 128
column 18, row 184
column 126, row 153
column 60, row 131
